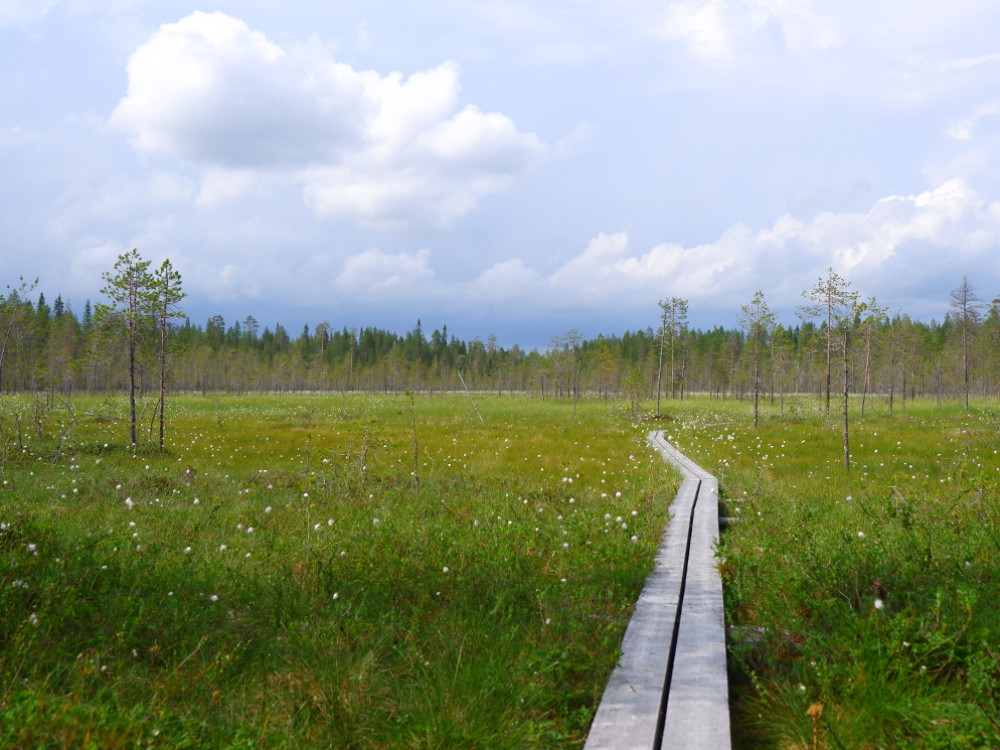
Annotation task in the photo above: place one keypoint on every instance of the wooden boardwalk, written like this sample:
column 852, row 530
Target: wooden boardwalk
column 670, row 688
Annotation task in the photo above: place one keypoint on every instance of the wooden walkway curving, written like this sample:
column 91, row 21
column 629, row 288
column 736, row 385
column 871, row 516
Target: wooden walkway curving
column 670, row 688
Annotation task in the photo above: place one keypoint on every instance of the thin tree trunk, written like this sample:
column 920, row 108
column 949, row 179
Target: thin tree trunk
column 868, row 369
column 847, row 444
column 965, row 356
column 659, row 369
column 756, row 383
column 131, row 384
column 672, row 374
column 576, row 387
column 892, row 377
column 829, row 351
column 473, row 400
column 163, row 365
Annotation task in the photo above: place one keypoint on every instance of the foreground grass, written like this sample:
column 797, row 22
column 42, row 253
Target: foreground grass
column 865, row 602
column 318, row 571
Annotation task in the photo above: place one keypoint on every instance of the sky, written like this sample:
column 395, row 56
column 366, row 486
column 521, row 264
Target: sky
column 508, row 168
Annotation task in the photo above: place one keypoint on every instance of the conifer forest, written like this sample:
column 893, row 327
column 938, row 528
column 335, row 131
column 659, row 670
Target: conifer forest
column 48, row 348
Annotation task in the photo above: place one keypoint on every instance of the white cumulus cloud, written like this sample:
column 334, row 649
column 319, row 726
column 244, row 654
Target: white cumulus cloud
column 728, row 31
column 904, row 243
column 390, row 149
column 370, row 274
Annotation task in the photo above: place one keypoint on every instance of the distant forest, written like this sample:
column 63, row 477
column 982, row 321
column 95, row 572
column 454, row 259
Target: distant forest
column 49, row 349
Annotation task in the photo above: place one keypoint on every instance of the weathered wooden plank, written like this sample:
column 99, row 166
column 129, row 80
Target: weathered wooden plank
column 662, row 694
column 698, row 703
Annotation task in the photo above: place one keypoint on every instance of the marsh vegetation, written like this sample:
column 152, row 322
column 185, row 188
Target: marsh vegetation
column 278, row 577
column 862, row 603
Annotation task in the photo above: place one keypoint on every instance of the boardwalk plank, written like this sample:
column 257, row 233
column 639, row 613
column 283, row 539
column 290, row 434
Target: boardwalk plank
column 687, row 603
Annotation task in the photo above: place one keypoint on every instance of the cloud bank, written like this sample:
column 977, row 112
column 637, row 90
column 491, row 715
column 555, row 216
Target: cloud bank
column 743, row 145
column 902, row 245
column 385, row 150
column 903, row 249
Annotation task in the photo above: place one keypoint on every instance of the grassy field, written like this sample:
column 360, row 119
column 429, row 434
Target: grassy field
column 376, row 572
column 865, row 602
column 318, row 571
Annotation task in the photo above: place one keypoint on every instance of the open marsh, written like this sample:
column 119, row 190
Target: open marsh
column 276, row 577
column 865, row 601
column 326, row 571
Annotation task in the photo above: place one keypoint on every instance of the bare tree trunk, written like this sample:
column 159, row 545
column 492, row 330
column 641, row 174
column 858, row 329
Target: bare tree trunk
column 659, row 369
column 576, row 387
column 416, row 446
column 829, row 350
column 163, row 364
column 672, row 373
column 847, row 444
column 892, row 376
column 473, row 400
column 868, row 370
column 131, row 384
column 756, row 382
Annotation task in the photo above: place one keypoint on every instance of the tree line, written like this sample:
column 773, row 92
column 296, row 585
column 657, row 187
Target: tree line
column 138, row 341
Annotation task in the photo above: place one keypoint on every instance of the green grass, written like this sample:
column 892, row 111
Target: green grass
column 275, row 578
column 484, row 609
column 872, row 593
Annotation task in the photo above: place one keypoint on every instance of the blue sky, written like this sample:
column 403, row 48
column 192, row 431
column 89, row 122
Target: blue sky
column 503, row 167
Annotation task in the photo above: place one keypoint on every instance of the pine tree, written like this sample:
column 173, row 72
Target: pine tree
column 757, row 320
column 967, row 308
column 830, row 297
column 131, row 289
column 846, row 319
column 167, row 294
column 673, row 321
